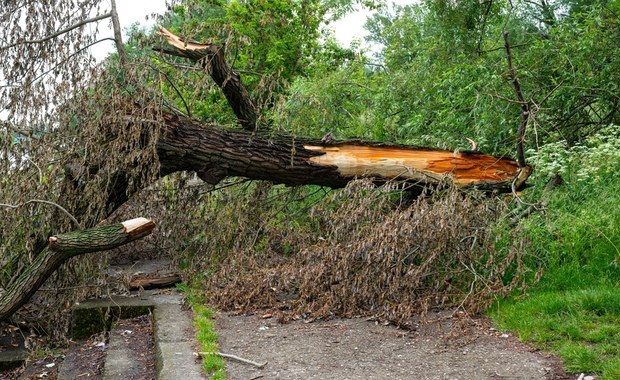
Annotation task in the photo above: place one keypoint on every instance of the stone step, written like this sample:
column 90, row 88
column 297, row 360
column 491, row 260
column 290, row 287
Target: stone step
column 12, row 351
column 173, row 332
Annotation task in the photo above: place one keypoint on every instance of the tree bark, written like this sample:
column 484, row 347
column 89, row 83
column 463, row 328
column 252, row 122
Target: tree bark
column 212, row 58
column 62, row 247
column 214, row 154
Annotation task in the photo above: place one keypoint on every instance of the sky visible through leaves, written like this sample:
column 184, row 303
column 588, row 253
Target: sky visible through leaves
column 346, row 30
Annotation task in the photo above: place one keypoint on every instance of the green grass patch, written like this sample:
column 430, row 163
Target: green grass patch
column 582, row 326
column 205, row 333
column 574, row 311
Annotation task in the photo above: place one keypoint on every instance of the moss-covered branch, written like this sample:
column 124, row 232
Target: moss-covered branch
column 64, row 246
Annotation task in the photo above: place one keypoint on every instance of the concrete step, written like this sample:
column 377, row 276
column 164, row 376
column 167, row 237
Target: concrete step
column 130, row 350
column 174, row 344
column 12, row 350
column 173, row 332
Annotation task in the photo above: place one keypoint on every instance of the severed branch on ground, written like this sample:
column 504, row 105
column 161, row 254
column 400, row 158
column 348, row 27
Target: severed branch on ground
column 64, row 246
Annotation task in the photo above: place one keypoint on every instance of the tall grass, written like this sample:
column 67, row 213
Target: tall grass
column 574, row 310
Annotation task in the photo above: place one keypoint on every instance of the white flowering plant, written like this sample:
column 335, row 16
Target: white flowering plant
column 597, row 157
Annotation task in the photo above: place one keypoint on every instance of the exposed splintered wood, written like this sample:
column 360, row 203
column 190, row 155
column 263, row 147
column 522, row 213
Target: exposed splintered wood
column 180, row 44
column 215, row 153
column 428, row 165
column 64, row 246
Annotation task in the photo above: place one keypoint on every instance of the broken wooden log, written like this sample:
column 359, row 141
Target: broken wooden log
column 215, row 153
column 64, row 246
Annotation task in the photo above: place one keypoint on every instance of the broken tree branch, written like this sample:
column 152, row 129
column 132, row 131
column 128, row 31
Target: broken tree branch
column 212, row 58
column 62, row 247
column 215, row 153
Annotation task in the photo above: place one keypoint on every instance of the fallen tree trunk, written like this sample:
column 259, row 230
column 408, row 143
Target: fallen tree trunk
column 215, row 153
column 62, row 247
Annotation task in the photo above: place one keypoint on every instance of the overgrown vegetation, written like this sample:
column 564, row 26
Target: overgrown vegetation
column 439, row 78
column 205, row 332
column 573, row 309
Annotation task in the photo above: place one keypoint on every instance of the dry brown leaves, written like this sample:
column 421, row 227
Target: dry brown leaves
column 360, row 251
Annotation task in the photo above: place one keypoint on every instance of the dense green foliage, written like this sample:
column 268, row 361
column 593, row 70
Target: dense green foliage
column 443, row 77
column 438, row 75
column 573, row 310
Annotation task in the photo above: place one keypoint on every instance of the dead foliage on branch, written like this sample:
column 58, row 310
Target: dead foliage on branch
column 361, row 251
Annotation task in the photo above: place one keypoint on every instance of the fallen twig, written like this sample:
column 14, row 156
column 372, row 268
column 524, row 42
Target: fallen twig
column 234, row 357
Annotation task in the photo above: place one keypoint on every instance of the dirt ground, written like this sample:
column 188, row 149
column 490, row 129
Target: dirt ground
column 449, row 348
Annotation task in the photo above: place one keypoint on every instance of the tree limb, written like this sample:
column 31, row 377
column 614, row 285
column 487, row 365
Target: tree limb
column 212, row 57
column 525, row 106
column 118, row 37
column 62, row 247
column 64, row 210
column 214, row 154
column 63, row 31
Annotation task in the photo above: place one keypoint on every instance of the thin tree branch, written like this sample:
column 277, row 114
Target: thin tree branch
column 525, row 106
column 68, row 58
column 54, row 35
column 484, row 25
column 174, row 87
column 73, row 219
column 118, row 37
column 234, row 357
column 549, row 94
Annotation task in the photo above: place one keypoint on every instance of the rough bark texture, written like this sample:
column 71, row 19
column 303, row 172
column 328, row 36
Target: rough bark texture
column 62, row 247
column 214, row 153
column 212, row 58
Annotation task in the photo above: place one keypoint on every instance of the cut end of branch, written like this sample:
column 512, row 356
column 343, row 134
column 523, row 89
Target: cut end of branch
column 178, row 43
column 138, row 227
